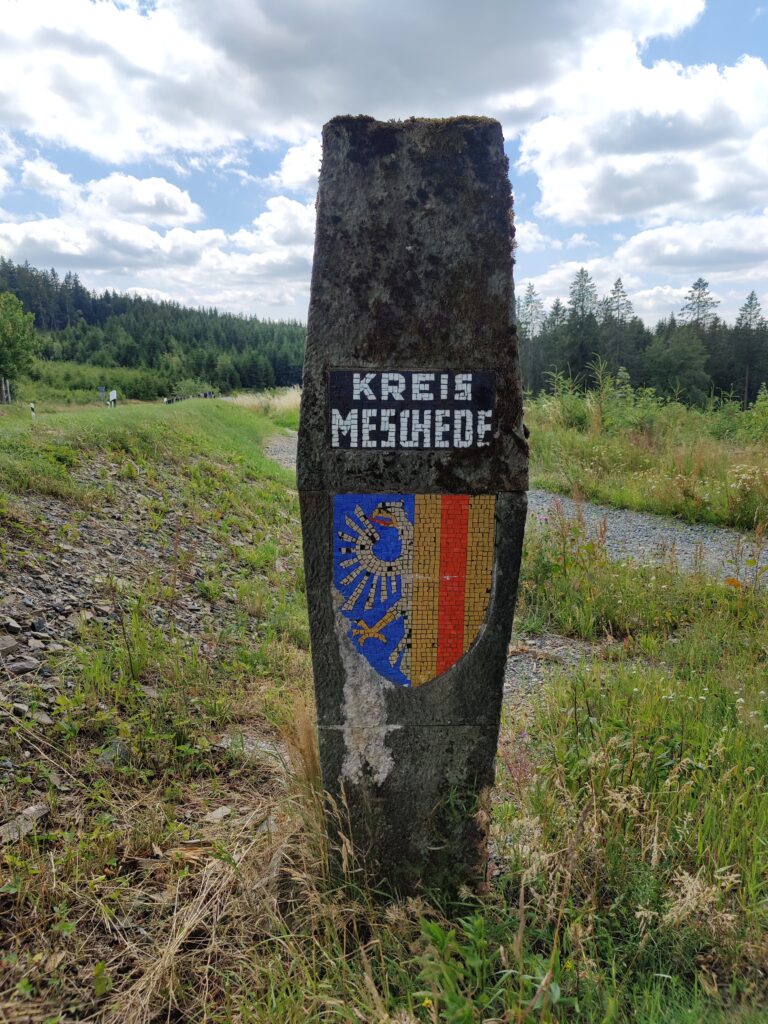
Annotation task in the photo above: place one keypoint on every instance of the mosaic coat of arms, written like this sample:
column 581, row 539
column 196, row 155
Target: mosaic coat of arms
column 413, row 575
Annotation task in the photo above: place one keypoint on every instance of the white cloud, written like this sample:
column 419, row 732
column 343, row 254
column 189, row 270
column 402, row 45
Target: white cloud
column 730, row 252
column 285, row 223
column 196, row 267
column 131, row 233
column 299, row 168
column 113, row 82
column 199, row 86
column 150, row 200
column 653, row 143
column 138, row 200
column 122, row 83
column 728, row 245
column 530, row 238
column 40, row 175
column 649, row 303
column 10, row 154
column 653, row 304
column 579, row 240
column 556, row 281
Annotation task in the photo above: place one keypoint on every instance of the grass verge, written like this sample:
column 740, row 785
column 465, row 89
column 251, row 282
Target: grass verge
column 626, row 447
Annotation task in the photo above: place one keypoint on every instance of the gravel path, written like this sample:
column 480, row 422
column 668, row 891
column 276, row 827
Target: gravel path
column 651, row 538
column 282, row 448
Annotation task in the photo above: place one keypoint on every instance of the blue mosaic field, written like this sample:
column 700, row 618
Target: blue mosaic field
column 387, row 548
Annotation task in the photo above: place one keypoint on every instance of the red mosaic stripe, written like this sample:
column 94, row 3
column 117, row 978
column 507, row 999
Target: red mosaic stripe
column 453, row 578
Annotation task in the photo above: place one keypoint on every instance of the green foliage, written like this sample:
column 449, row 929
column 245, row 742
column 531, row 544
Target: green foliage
column 649, row 804
column 634, row 448
column 685, row 360
column 675, row 366
column 78, row 383
column 17, row 337
column 468, row 977
column 191, row 387
column 628, row 873
column 167, row 342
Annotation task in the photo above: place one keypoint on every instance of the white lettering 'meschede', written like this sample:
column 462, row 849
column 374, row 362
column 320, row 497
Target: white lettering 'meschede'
column 411, row 428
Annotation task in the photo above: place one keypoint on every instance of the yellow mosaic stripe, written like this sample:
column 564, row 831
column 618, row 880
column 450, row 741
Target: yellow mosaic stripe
column 426, row 587
column 481, row 533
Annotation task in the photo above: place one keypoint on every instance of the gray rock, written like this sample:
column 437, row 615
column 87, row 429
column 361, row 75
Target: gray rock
column 219, row 814
column 23, row 666
column 23, row 823
column 249, row 747
column 12, row 626
column 7, row 644
column 116, row 752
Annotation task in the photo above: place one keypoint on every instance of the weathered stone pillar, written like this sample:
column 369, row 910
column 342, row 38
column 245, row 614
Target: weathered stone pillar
column 412, row 474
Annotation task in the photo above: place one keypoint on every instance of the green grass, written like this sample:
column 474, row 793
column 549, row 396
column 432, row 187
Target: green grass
column 648, row 804
column 628, row 448
column 78, row 383
column 631, row 869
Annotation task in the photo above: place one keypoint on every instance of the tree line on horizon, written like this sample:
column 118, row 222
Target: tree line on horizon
column 173, row 343
column 686, row 356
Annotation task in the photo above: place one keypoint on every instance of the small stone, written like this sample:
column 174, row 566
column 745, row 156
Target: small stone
column 29, row 602
column 21, row 709
column 22, row 666
column 212, row 817
column 55, row 648
column 38, row 624
column 42, row 718
column 23, row 823
column 116, row 752
column 12, row 626
column 7, row 643
column 35, row 645
column 249, row 748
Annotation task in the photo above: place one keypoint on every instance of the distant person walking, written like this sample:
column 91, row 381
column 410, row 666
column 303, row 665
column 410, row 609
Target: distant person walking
column 112, row 398
column 32, row 410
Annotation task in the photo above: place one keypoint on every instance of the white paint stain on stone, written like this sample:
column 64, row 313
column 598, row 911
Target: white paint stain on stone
column 365, row 727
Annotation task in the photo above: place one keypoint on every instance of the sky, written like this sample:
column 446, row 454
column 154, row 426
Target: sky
column 171, row 147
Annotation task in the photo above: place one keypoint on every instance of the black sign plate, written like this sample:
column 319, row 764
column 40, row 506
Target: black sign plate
column 410, row 409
